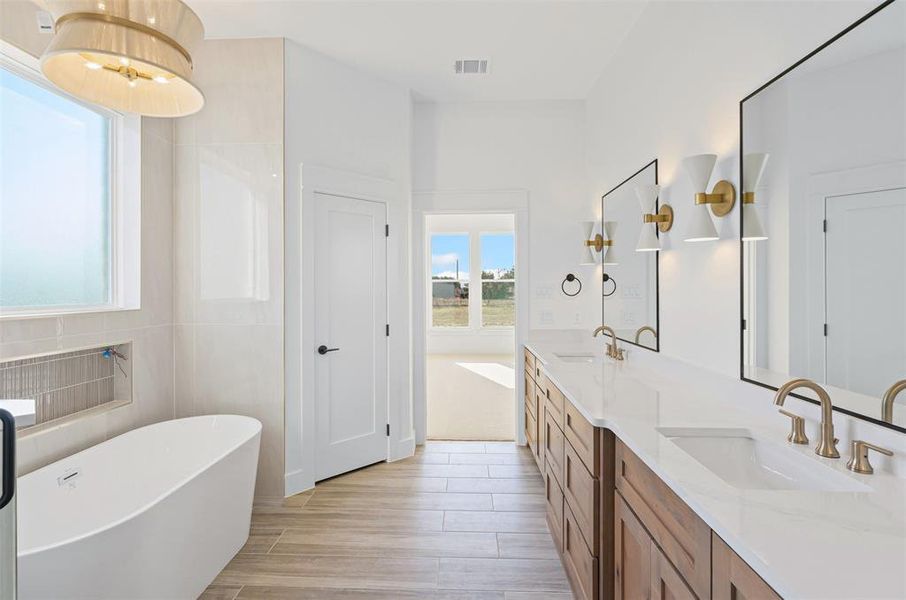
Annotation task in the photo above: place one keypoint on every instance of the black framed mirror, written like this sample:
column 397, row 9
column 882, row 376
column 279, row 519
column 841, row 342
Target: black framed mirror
column 630, row 295
column 823, row 250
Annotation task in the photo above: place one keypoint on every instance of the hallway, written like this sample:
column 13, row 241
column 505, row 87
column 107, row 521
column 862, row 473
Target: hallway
column 457, row 521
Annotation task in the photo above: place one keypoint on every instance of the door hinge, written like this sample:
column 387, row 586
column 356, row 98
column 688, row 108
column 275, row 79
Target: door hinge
column 825, row 330
column 388, row 429
column 388, row 329
column 824, row 226
column 387, row 230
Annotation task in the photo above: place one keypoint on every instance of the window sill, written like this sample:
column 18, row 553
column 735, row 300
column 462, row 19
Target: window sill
column 63, row 312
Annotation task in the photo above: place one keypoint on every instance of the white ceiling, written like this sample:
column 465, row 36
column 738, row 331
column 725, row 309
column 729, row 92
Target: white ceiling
column 539, row 50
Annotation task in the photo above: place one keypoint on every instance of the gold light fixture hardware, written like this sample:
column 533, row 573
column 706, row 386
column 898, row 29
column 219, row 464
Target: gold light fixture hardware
column 642, row 330
column 797, row 432
column 748, row 197
column 721, row 199
column 889, row 396
column 613, row 351
column 827, row 444
column 599, row 243
column 858, row 462
column 663, row 218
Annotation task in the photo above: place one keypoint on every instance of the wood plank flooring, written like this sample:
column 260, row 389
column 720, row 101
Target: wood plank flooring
column 457, row 521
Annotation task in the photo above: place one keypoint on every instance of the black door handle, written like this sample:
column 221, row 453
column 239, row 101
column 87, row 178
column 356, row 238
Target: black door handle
column 324, row 349
column 9, row 458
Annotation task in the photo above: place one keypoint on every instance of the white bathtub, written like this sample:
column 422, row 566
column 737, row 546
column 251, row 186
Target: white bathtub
column 154, row 513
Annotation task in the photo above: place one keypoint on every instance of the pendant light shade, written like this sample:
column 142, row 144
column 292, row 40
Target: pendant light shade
column 128, row 55
column 611, row 254
column 701, row 227
column 590, row 231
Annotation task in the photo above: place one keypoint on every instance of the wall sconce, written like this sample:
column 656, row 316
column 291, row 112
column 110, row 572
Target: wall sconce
column 611, row 255
column 594, row 244
column 662, row 219
column 752, row 169
column 721, row 199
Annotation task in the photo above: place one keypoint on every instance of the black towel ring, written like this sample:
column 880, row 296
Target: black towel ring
column 612, row 280
column 570, row 278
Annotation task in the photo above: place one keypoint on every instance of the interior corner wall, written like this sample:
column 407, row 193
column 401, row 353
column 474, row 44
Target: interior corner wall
column 346, row 120
column 673, row 90
column 533, row 146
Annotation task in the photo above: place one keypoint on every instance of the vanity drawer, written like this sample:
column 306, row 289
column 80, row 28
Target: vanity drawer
column 531, row 431
column 584, row 437
column 555, row 402
column 530, row 363
column 554, row 446
column 682, row 536
column 581, row 566
column 553, row 497
column 582, row 493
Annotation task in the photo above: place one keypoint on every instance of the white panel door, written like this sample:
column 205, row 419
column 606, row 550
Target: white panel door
column 350, row 328
column 866, row 290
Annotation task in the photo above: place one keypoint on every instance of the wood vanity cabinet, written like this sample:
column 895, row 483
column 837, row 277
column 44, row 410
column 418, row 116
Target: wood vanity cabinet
column 620, row 530
column 732, row 578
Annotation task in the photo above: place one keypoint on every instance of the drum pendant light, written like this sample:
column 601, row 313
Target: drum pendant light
column 128, row 55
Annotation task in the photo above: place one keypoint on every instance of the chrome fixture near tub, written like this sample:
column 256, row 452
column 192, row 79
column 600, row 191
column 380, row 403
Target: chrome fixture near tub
column 613, row 351
column 889, row 396
column 858, row 462
column 827, row 444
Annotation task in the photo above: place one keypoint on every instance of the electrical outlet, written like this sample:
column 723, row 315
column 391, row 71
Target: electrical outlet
column 546, row 317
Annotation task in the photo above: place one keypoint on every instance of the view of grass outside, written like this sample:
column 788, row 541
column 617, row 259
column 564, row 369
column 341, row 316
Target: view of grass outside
column 450, row 280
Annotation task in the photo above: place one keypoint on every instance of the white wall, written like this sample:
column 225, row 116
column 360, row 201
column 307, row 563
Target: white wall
column 150, row 328
column 229, row 244
column 348, row 121
column 533, row 146
column 673, row 90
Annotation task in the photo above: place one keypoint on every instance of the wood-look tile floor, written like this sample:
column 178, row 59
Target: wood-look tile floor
column 457, row 521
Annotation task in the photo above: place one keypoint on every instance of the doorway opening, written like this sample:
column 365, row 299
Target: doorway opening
column 471, row 325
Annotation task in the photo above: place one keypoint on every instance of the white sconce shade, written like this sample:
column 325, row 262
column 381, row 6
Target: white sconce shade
column 699, row 169
column 611, row 254
column 648, row 240
column 752, row 230
column 752, row 170
column 701, row 227
column 590, row 256
column 647, row 195
column 128, row 55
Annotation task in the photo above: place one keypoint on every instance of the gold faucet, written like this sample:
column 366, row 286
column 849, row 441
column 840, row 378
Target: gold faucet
column 642, row 330
column 612, row 350
column 889, row 396
column 827, row 445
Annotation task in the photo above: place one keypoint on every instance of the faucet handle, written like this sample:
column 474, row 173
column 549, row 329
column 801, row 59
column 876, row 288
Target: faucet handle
column 858, row 463
column 797, row 432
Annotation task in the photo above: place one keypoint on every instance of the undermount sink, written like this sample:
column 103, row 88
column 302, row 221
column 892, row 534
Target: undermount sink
column 747, row 462
column 586, row 357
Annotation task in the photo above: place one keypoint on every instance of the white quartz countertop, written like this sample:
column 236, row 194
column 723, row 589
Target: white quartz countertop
column 805, row 544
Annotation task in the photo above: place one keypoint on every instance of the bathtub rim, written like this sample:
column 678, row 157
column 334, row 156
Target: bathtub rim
column 157, row 499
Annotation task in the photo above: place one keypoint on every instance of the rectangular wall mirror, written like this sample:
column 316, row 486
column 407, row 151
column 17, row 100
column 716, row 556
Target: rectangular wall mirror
column 823, row 152
column 630, row 290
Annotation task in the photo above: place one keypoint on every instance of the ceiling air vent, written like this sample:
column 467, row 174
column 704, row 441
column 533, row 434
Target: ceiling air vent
column 471, row 66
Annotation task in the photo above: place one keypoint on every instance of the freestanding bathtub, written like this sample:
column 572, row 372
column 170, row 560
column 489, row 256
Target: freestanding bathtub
column 155, row 513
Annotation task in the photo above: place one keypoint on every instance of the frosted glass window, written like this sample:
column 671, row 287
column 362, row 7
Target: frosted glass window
column 55, row 199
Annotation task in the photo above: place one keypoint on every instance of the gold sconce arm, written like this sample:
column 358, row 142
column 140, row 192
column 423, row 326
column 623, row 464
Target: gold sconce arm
column 721, row 199
column 599, row 243
column 663, row 218
column 748, row 197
